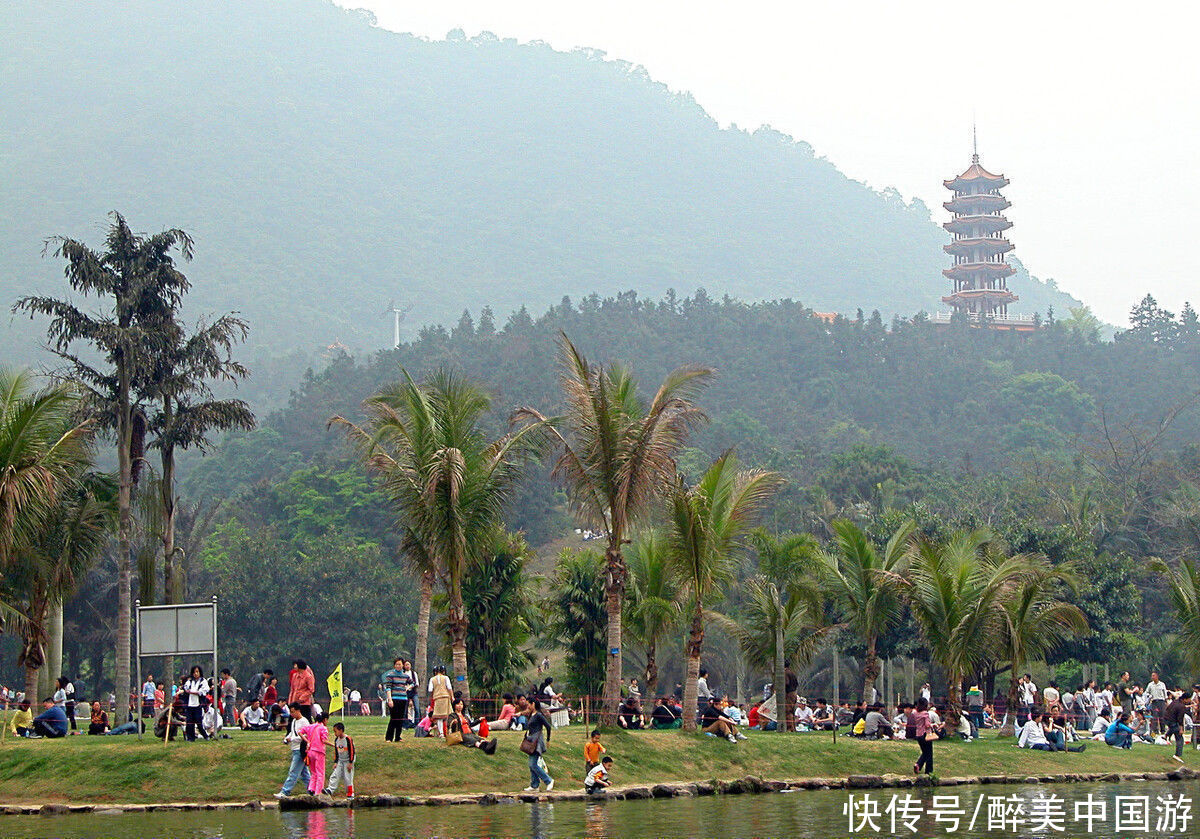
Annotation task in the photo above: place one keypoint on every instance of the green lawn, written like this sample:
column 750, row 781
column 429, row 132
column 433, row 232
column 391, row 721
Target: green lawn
column 250, row 766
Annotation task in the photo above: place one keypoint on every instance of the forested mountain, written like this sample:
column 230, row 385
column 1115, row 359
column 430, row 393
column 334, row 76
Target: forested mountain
column 327, row 167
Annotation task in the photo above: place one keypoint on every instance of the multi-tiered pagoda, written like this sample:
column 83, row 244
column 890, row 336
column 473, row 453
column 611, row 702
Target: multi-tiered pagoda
column 980, row 273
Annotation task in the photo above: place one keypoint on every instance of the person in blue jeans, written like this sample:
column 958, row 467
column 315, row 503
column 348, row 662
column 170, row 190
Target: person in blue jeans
column 1119, row 733
column 539, row 731
column 298, row 769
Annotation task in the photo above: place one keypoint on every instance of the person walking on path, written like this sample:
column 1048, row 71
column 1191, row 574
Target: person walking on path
column 923, row 731
column 302, row 682
column 1173, row 719
column 395, row 691
column 343, row 762
column 538, row 732
column 316, row 736
column 441, row 693
column 298, row 769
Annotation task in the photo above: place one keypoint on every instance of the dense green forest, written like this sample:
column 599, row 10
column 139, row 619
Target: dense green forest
column 327, row 167
column 1066, row 445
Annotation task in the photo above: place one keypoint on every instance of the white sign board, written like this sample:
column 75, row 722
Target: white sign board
column 177, row 630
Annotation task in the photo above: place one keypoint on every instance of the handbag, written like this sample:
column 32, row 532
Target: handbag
column 931, row 736
column 454, row 737
column 529, row 744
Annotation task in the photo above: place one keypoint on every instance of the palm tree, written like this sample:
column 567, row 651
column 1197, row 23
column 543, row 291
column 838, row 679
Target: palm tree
column 956, row 591
column 708, row 523
column 41, row 446
column 448, row 481
column 136, row 279
column 652, row 607
column 785, row 597
column 863, row 584
column 1036, row 621
column 187, row 412
column 575, row 614
column 49, row 570
column 617, row 457
column 1184, row 589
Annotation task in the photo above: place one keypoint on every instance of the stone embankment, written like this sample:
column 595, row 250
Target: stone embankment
column 740, row 786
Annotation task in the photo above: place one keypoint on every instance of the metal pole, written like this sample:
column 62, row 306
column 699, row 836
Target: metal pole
column 137, row 628
column 216, row 688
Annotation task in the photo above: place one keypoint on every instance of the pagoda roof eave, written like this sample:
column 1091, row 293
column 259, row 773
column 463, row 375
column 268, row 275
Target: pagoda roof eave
column 975, row 173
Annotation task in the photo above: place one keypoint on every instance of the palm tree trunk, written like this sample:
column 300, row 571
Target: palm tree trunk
column 780, row 680
column 1009, row 728
column 172, row 591
column 458, row 641
column 121, row 685
column 31, row 687
column 870, row 670
column 54, row 644
column 651, row 672
column 614, row 588
column 422, row 652
column 695, row 647
column 954, row 698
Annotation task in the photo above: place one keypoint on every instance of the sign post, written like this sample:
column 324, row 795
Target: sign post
column 177, row 629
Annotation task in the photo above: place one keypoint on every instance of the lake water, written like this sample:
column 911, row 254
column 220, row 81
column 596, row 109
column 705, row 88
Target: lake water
column 1116, row 812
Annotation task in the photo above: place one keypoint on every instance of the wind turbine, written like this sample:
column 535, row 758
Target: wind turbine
column 397, row 315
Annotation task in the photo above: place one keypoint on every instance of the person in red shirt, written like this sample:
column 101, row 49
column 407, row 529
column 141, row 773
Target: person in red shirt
column 302, row 682
column 752, row 718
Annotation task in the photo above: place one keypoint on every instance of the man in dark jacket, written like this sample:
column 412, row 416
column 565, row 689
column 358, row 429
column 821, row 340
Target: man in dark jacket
column 1172, row 718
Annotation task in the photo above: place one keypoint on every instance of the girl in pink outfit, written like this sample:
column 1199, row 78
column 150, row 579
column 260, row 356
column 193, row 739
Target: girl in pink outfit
column 316, row 735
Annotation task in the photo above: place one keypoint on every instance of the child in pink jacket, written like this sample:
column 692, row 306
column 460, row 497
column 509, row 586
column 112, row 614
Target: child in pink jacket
column 316, row 735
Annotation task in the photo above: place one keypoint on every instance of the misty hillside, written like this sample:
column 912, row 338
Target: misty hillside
column 326, row 167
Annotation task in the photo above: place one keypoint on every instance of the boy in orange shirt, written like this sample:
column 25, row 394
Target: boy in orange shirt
column 591, row 753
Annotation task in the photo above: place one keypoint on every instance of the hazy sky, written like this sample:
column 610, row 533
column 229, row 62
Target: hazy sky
column 1091, row 109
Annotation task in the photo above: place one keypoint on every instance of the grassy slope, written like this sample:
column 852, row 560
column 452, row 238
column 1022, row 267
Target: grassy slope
column 251, row 766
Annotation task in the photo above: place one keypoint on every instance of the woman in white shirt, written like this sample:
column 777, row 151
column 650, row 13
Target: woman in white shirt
column 194, row 689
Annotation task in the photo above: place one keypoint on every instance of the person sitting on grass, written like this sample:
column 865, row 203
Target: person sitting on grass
column 52, row 722
column 629, row 714
column 1051, row 735
column 254, row 718
column 597, row 777
column 21, row 723
column 876, row 725
column 459, row 723
column 823, row 717
column 717, row 723
column 99, row 723
column 804, row 715
column 664, row 715
column 1120, row 734
column 508, row 712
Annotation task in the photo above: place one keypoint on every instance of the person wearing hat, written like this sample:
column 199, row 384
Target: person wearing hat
column 440, row 694
column 804, row 715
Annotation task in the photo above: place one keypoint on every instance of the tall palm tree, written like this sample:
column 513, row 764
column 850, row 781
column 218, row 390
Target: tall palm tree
column 956, row 591
column 41, row 447
column 448, row 481
column 1184, row 588
column 137, row 283
column 617, row 456
column 863, row 584
column 785, row 597
column 652, row 607
column 1036, row 621
column 708, row 524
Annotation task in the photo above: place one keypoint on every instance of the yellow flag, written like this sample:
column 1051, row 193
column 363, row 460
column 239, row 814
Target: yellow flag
column 335, row 689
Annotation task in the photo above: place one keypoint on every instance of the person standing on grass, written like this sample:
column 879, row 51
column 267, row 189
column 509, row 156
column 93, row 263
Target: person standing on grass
column 922, row 729
column 539, row 732
column 441, row 694
column 395, row 691
column 343, row 762
column 302, row 682
column 298, row 768
column 148, row 690
column 316, row 736
column 1156, row 696
column 194, row 689
column 1173, row 719
column 413, row 683
column 229, row 691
